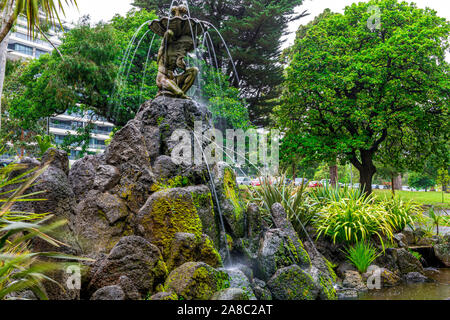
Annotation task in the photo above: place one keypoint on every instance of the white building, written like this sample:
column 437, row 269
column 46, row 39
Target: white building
column 21, row 46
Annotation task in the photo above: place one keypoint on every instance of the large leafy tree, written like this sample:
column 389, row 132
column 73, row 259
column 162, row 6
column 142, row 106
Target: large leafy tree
column 253, row 31
column 352, row 91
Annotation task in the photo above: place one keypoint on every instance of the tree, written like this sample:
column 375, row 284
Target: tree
column 253, row 31
column 350, row 91
column 443, row 179
column 11, row 9
column 419, row 181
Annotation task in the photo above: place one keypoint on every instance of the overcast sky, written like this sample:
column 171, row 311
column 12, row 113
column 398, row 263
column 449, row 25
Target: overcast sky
column 106, row 9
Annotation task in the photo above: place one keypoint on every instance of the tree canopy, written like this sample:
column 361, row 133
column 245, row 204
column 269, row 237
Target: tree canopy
column 366, row 94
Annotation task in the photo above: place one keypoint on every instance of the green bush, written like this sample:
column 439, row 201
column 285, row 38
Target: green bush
column 294, row 200
column 352, row 220
column 328, row 194
column 362, row 255
column 401, row 214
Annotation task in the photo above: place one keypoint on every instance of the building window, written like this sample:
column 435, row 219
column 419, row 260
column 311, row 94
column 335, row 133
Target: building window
column 21, row 48
column 102, row 130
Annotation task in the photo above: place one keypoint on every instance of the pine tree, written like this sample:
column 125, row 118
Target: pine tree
column 253, row 31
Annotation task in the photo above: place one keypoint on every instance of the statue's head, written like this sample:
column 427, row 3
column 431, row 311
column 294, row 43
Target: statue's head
column 179, row 11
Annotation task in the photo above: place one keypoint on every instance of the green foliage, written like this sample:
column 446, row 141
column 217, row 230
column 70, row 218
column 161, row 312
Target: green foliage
column 21, row 269
column 436, row 219
column 44, row 143
column 361, row 255
column 328, row 194
column 362, row 96
column 420, row 181
column 416, row 254
column 352, row 220
column 294, row 200
column 401, row 214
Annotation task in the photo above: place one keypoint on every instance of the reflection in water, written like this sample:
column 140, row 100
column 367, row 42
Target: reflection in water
column 439, row 290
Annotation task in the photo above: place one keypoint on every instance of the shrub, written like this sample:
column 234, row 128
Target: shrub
column 21, row 269
column 401, row 214
column 328, row 194
column 362, row 255
column 294, row 200
column 352, row 220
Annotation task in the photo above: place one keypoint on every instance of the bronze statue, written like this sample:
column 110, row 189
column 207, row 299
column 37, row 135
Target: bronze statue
column 179, row 34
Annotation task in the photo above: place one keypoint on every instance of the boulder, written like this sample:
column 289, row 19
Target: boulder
column 233, row 209
column 387, row 277
column 401, row 240
column 239, row 280
column 343, row 268
column 56, row 158
column 166, row 213
column 254, row 221
column 109, row 293
column 293, row 283
column 100, row 221
column 187, row 247
column 353, row 280
column 415, row 277
column 82, row 174
column 278, row 250
column 260, row 289
column 135, row 258
column 442, row 252
column 231, row 294
column 407, row 262
column 196, row 281
column 164, row 296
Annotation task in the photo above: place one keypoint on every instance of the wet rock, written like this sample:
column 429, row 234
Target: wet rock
column 260, row 289
column 353, row 280
column 344, row 267
column 164, row 296
column 128, row 287
column 231, row 294
column 186, row 247
column 442, row 252
column 255, row 225
column 109, row 293
column 293, row 283
column 277, row 250
column 415, row 277
column 135, row 258
column 196, row 281
column 233, row 210
column 239, row 280
column 407, row 262
column 401, row 240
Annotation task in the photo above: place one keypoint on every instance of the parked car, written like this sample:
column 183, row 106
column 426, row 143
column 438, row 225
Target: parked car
column 375, row 186
column 245, row 181
column 256, row 182
column 300, row 181
column 315, row 184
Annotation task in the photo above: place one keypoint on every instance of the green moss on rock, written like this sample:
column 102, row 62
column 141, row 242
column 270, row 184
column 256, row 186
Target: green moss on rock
column 196, row 281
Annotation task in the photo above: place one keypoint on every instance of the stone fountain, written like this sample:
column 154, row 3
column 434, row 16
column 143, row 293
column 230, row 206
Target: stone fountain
column 160, row 229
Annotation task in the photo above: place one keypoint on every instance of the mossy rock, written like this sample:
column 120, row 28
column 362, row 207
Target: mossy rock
column 231, row 204
column 186, row 247
column 278, row 250
column 231, row 294
column 166, row 213
column 196, row 281
column 293, row 283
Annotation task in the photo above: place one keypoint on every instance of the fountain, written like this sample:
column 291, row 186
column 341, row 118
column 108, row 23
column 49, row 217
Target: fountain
column 179, row 39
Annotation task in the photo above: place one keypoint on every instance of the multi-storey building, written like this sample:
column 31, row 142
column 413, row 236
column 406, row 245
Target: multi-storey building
column 22, row 46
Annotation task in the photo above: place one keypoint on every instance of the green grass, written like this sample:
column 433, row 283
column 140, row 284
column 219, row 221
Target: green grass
column 423, row 198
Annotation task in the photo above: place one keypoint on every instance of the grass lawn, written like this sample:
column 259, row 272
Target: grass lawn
column 424, row 198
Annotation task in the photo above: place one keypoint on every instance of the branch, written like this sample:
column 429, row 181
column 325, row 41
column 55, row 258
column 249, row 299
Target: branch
column 49, row 41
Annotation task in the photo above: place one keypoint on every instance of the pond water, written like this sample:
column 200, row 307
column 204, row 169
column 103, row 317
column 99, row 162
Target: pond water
column 439, row 290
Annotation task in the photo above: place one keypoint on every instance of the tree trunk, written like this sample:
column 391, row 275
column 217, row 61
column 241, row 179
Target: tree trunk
column 334, row 175
column 397, row 181
column 393, row 184
column 294, row 165
column 5, row 20
column 366, row 171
